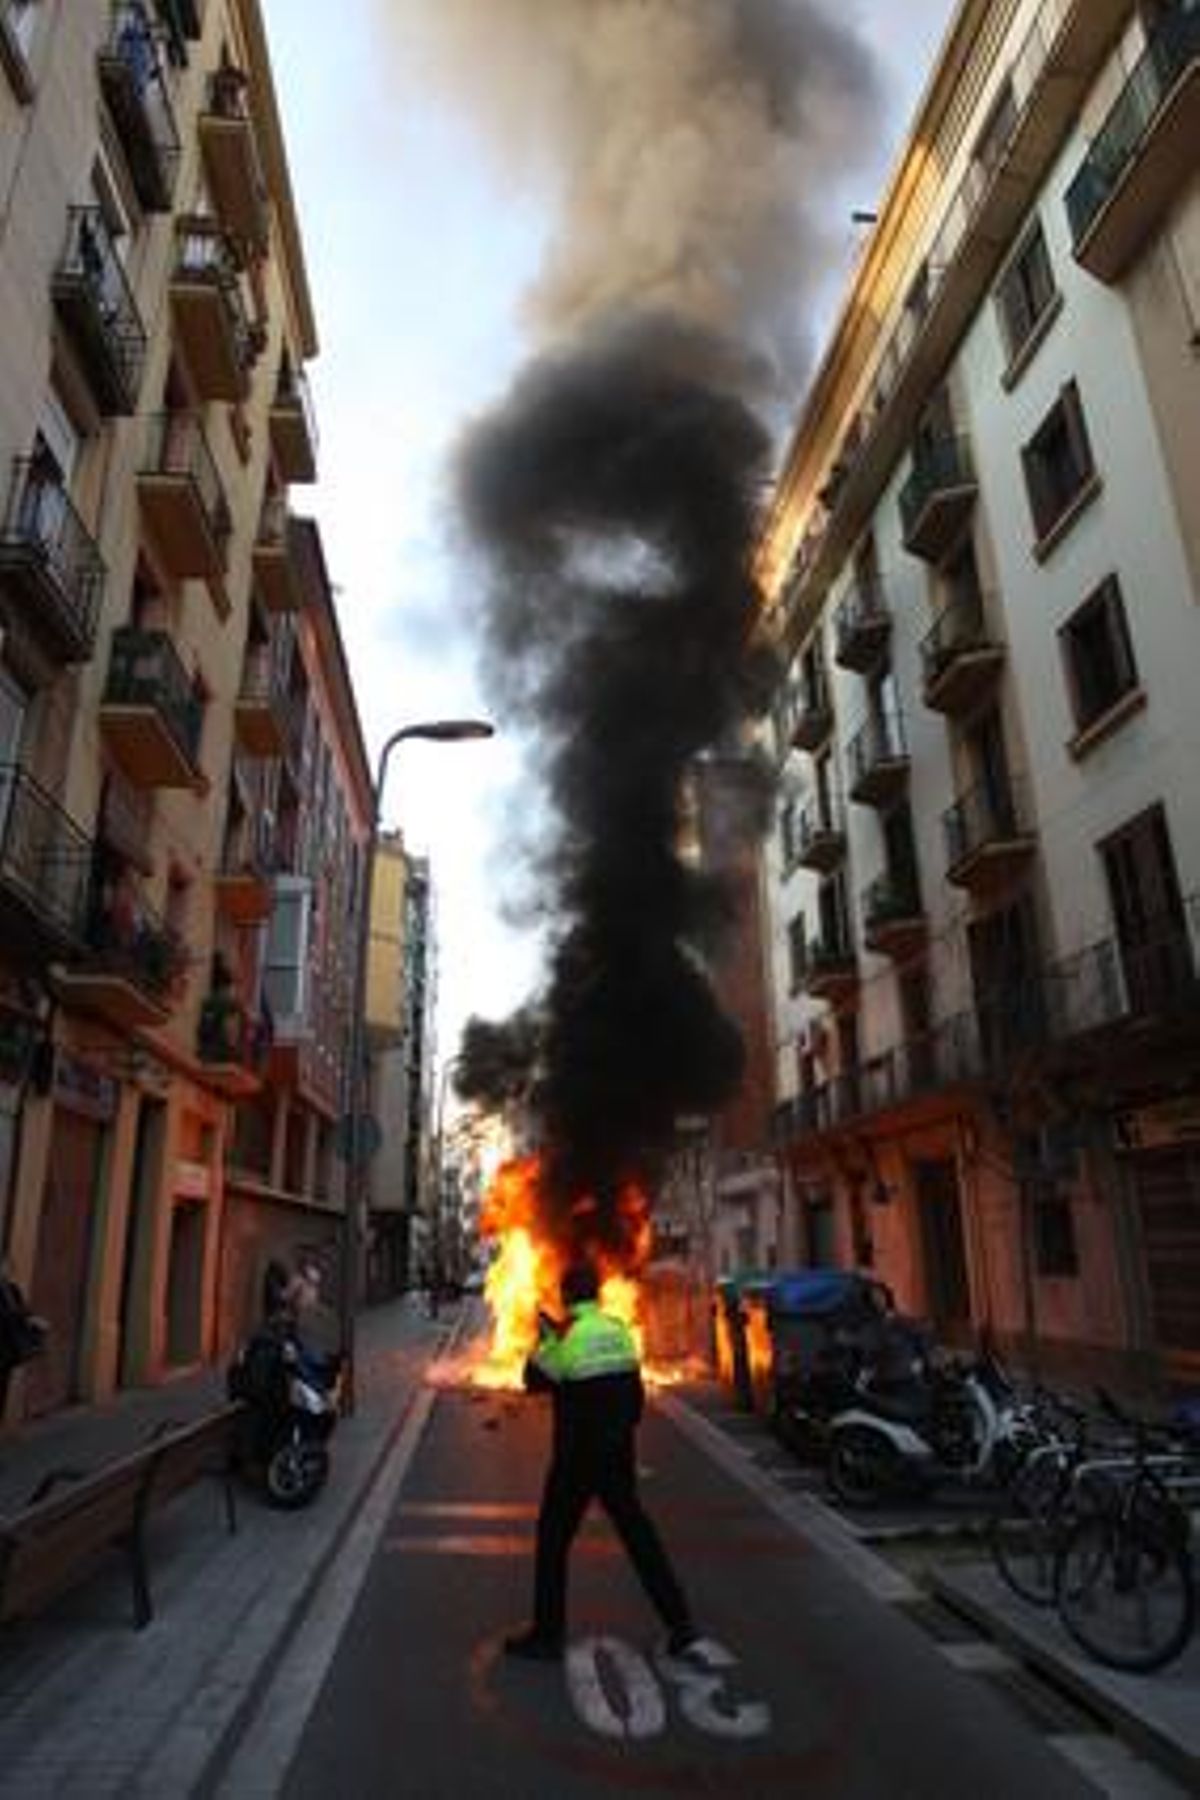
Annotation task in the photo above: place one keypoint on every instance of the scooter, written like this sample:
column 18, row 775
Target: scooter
column 291, row 1396
column 950, row 1421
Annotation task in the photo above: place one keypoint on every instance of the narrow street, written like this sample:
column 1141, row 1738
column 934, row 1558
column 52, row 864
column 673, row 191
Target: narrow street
column 812, row 1685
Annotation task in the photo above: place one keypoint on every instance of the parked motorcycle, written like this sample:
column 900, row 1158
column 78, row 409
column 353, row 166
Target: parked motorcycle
column 946, row 1421
column 291, row 1396
column 828, row 1329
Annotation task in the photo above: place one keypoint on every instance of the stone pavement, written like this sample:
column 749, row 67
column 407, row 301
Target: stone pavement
column 91, row 1707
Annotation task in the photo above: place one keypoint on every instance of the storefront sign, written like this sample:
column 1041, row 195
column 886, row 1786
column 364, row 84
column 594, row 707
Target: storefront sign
column 81, row 1089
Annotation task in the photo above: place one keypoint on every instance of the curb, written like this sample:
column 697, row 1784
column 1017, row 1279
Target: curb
column 861, row 1560
column 1076, row 1679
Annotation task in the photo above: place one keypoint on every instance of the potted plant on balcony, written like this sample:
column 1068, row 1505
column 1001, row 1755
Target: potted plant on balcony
column 221, row 1031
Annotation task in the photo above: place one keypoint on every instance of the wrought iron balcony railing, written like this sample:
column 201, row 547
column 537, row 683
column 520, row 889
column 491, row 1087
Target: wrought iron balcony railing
column 128, row 939
column 990, row 814
column 960, row 628
column 1174, row 45
column 862, row 625
column 943, row 478
column 176, row 445
column 205, row 253
column 133, row 80
column 877, row 755
column 45, row 858
column 50, row 558
column 145, row 670
column 96, row 305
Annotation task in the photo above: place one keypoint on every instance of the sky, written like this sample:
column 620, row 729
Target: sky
column 419, row 248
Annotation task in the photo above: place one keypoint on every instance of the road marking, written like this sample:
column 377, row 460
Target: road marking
column 599, row 1669
column 643, row 1716
column 978, row 1658
column 1114, row 1769
column 698, row 1679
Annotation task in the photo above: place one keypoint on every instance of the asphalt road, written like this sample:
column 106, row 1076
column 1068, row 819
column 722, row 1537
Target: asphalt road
column 813, row 1687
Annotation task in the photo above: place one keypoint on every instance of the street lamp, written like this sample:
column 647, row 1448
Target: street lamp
column 354, row 1125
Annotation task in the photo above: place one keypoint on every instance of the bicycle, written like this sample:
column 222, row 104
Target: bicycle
column 1124, row 1580
column 1042, row 1501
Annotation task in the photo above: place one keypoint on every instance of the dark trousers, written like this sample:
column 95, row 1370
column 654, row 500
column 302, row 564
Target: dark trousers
column 607, row 1474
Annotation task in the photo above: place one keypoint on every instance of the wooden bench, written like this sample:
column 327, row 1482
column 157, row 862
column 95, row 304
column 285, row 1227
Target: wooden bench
column 58, row 1538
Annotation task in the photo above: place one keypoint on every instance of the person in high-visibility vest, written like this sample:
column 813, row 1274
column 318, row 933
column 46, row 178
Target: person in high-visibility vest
column 590, row 1367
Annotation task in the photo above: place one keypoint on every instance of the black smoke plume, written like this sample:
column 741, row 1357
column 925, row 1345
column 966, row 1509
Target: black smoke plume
column 614, row 496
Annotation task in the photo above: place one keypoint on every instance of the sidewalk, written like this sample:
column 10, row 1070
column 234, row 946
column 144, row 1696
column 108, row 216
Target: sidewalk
column 1158, row 1715
column 90, row 1707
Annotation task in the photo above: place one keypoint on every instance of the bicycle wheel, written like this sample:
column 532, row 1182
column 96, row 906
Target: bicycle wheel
column 1024, row 1535
column 1125, row 1592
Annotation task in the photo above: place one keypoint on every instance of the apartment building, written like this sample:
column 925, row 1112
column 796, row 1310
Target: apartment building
column 290, row 880
column 399, row 1021
column 982, row 564
column 170, row 696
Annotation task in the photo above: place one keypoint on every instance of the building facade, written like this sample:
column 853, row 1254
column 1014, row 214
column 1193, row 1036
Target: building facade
column 983, row 567
column 165, row 676
column 400, row 1034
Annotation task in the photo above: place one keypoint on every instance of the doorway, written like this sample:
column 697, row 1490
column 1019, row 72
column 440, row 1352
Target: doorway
column 947, row 1285
column 185, row 1283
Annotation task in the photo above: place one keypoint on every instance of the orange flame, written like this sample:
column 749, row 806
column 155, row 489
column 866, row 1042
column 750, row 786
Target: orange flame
column 524, row 1275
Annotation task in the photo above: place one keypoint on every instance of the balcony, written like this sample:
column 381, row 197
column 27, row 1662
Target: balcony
column 260, row 713
column 230, row 155
column 820, row 839
column 232, row 1045
column 894, row 922
column 831, row 970
column 51, row 573
column 276, row 578
column 134, row 969
column 151, row 716
column 293, row 428
column 988, row 837
column 1144, row 153
column 131, row 72
column 937, row 498
column 960, row 660
column 183, row 501
column 210, row 318
column 242, row 885
column 98, row 315
column 862, row 627
column 877, row 759
column 45, row 865
column 1051, row 74
column 810, row 718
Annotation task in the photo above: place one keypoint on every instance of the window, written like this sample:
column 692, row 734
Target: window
column 1149, row 914
column 1098, row 655
column 285, row 972
column 1058, row 463
column 834, row 915
column 797, row 953
column 1026, row 292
